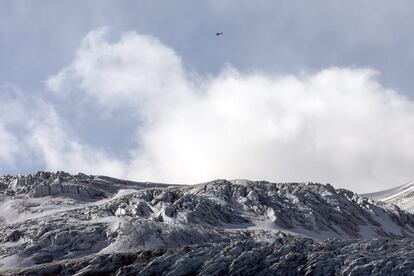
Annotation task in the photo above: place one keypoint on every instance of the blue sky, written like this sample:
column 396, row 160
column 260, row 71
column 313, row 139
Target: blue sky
column 277, row 36
column 145, row 90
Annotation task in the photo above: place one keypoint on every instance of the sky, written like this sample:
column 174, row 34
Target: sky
column 296, row 91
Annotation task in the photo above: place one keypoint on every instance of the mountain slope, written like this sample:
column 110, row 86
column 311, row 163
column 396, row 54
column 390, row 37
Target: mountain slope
column 57, row 221
column 283, row 256
column 402, row 196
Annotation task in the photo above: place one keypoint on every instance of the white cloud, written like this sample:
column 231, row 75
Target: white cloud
column 62, row 151
column 32, row 131
column 12, row 116
column 8, row 148
column 137, row 71
column 338, row 125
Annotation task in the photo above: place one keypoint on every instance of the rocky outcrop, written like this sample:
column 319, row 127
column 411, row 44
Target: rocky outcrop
column 41, row 184
column 57, row 223
column 284, row 256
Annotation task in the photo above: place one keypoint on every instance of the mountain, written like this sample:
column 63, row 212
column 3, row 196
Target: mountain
column 57, row 223
column 402, row 196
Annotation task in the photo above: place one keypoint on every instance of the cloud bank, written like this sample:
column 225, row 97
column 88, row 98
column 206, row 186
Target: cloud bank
column 338, row 125
column 33, row 134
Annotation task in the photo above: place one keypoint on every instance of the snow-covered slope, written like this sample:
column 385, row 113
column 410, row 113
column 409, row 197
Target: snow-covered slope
column 64, row 224
column 402, row 196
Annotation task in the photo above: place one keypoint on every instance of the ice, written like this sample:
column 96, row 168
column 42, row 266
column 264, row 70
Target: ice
column 98, row 224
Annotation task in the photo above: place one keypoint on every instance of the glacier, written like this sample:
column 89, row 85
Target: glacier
column 63, row 224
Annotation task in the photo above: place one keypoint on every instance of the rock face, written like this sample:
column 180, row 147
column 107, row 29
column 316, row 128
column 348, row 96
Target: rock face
column 57, row 223
column 83, row 186
column 283, row 256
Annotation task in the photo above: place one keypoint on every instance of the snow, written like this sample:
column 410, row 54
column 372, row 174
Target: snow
column 127, row 217
column 402, row 196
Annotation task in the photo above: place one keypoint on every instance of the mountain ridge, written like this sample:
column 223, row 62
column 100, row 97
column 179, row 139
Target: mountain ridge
column 402, row 196
column 51, row 220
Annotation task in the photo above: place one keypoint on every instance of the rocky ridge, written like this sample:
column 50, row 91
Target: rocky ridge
column 61, row 223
